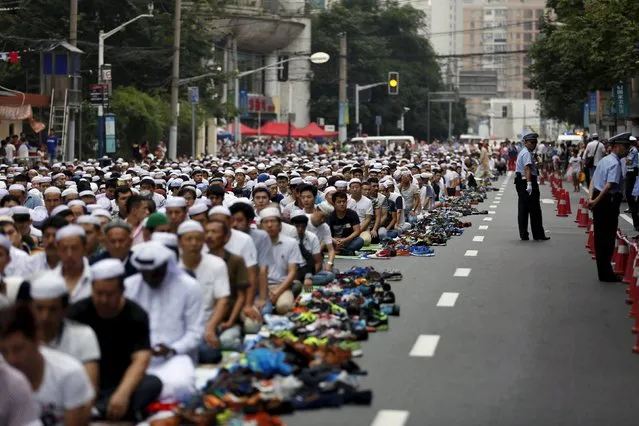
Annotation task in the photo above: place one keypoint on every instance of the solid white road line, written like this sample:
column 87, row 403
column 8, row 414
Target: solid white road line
column 471, row 253
column 491, row 212
column 425, row 345
column 483, row 227
column 390, row 418
column 492, row 206
column 462, row 272
column 547, row 201
column 478, row 239
column 447, row 300
column 488, row 219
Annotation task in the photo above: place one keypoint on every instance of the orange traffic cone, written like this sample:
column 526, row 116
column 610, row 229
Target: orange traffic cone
column 620, row 258
column 590, row 244
column 632, row 254
column 584, row 219
column 562, row 206
column 566, row 196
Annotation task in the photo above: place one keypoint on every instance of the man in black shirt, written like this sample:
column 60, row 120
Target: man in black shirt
column 345, row 227
column 122, row 328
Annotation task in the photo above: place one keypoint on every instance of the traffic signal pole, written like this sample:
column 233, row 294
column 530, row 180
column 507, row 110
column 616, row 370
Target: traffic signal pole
column 343, row 63
column 358, row 89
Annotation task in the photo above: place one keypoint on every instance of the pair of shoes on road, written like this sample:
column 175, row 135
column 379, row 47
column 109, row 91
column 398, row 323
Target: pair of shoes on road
column 613, row 279
column 544, row 238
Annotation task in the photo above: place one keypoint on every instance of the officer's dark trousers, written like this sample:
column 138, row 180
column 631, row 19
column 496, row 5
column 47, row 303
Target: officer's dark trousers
column 528, row 206
column 605, row 221
column 631, row 177
column 147, row 391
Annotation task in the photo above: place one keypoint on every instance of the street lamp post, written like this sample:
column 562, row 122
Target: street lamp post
column 315, row 58
column 101, row 37
column 406, row 109
column 358, row 89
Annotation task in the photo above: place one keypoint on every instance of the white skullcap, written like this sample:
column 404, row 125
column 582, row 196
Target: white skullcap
column 297, row 213
column 107, row 269
column 17, row 187
column 70, row 231
column 165, row 238
column 76, row 203
column 45, row 179
column 20, row 210
column 189, row 226
column 70, row 183
column 48, row 286
column 5, row 242
column 88, row 220
column 270, row 182
column 87, row 193
column 242, row 200
column 341, row 184
column 101, row 213
column 296, row 181
column 59, row 175
column 175, row 202
column 69, row 191
column 220, row 210
column 151, row 254
column 59, row 209
column 198, row 208
column 270, row 212
column 326, row 207
column 329, row 190
column 355, row 180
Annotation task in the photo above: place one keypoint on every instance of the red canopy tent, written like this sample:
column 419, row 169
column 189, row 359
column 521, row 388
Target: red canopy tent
column 246, row 130
column 274, row 128
column 315, row 131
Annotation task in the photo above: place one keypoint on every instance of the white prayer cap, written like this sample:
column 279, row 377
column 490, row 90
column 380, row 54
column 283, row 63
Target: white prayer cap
column 189, row 226
column 70, row 183
column 242, row 200
column 198, row 208
column 39, row 215
column 91, row 207
column 87, row 193
column 88, row 220
column 45, row 179
column 326, row 207
column 48, row 286
column 270, row 182
column 329, row 190
column 59, row 209
column 69, row 191
column 220, row 210
column 59, row 175
column 341, row 184
column 101, row 213
column 17, row 187
column 165, row 238
column 270, row 212
column 296, row 181
column 355, row 180
column 77, row 203
column 5, row 242
column 107, row 269
column 20, row 210
column 175, row 202
column 70, row 231
column 151, row 254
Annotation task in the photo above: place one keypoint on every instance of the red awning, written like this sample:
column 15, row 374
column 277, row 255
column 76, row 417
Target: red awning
column 315, row 131
column 281, row 129
column 244, row 129
column 18, row 99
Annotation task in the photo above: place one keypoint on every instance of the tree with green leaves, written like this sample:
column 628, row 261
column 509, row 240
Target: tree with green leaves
column 382, row 37
column 589, row 45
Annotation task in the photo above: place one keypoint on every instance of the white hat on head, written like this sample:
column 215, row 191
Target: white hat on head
column 70, row 231
column 175, row 202
column 76, row 203
column 69, row 191
column 198, row 208
column 270, row 212
column 189, row 226
column 17, row 187
column 88, row 220
column 341, row 184
column 48, row 286
column 87, row 193
column 20, row 210
column 59, row 209
column 220, row 210
column 354, row 180
column 107, row 269
column 165, row 238
column 151, row 255
column 52, row 190
column 101, row 213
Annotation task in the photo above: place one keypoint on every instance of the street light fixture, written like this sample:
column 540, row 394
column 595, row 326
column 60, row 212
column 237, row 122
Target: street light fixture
column 101, row 37
column 315, row 58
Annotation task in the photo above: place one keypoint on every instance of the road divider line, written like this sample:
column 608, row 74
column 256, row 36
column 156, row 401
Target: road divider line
column 497, row 202
column 425, row 346
column 447, row 300
column 390, row 418
column 478, row 239
column 492, row 206
column 491, row 212
column 488, row 219
column 462, row 272
column 547, row 201
column 471, row 253
column 483, row 227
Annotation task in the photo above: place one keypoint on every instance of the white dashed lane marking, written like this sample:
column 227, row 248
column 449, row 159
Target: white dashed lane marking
column 483, row 227
column 462, row 272
column 447, row 300
column 425, row 346
column 471, row 253
column 491, row 212
column 478, row 239
column 488, row 219
column 390, row 418
column 492, row 206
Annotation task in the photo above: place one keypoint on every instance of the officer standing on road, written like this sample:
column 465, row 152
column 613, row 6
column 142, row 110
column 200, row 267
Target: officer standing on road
column 632, row 166
column 526, row 174
column 605, row 199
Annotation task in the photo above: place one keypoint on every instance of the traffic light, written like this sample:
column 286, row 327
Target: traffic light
column 393, row 83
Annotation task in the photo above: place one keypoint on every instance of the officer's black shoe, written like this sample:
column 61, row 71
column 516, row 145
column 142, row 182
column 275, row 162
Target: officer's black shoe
column 612, row 279
column 542, row 239
column 525, row 238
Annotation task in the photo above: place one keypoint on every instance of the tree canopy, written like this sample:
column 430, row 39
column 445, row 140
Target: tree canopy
column 381, row 38
column 589, row 45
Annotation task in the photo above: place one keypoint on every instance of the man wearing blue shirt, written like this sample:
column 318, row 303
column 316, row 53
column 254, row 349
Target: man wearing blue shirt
column 528, row 191
column 52, row 146
column 632, row 165
column 604, row 201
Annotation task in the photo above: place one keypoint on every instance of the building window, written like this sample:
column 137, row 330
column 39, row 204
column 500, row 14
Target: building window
column 527, row 95
column 528, row 26
column 539, row 13
column 528, row 13
column 504, row 112
column 527, row 37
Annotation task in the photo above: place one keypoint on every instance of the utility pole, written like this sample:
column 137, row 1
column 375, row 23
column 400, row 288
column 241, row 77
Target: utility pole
column 175, row 80
column 73, row 40
column 343, row 64
column 237, row 122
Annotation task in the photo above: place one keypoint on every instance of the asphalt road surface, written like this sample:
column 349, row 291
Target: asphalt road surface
column 497, row 331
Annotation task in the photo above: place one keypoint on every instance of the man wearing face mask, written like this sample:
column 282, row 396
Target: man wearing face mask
column 528, row 192
column 604, row 201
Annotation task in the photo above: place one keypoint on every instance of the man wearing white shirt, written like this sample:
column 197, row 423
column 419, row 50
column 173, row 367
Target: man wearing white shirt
column 240, row 243
column 363, row 208
column 173, row 301
column 60, row 384
column 595, row 151
column 74, row 266
column 18, row 406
